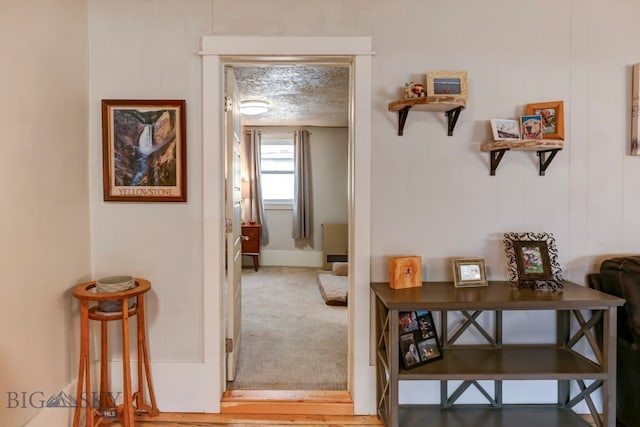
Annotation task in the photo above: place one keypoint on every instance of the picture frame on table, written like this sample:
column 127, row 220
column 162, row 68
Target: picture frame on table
column 418, row 339
column 469, row 272
column 533, row 260
column 505, row 129
column 447, row 83
column 552, row 116
column 144, row 150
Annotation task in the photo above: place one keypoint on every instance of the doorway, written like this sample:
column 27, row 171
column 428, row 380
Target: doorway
column 285, row 321
column 356, row 51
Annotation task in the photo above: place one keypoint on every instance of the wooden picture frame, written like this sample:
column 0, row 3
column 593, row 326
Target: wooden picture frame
column 469, row 272
column 531, row 127
column 533, row 260
column 634, row 148
column 552, row 115
column 144, row 150
column 447, row 83
column 418, row 338
column 505, row 129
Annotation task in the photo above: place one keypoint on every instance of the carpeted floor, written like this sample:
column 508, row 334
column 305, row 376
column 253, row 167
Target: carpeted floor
column 291, row 340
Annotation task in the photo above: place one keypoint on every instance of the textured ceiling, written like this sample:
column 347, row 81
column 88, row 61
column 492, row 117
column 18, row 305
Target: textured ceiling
column 299, row 95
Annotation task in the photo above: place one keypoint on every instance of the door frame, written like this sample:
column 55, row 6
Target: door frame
column 216, row 51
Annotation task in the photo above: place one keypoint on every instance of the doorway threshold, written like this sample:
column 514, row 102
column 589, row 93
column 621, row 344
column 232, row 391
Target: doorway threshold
column 287, row 402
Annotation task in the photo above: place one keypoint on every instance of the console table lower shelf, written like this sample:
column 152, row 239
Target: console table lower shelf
column 520, row 416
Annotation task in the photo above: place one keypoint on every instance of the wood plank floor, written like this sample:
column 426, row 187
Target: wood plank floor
column 274, row 408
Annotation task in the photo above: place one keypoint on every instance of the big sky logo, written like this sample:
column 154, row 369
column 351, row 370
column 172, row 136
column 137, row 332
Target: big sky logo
column 36, row 399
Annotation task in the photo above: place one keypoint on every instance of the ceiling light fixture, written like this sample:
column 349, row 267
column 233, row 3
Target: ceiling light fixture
column 251, row 107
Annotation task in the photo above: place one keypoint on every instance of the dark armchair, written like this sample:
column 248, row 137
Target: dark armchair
column 621, row 277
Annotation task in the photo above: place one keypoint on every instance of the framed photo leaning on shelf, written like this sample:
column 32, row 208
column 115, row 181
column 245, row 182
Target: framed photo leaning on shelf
column 447, row 83
column 531, row 127
column 505, row 129
column 418, row 338
column 552, row 115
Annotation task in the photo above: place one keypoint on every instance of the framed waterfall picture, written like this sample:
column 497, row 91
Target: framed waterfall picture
column 144, row 150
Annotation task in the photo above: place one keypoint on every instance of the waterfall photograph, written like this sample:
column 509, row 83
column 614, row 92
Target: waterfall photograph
column 144, row 150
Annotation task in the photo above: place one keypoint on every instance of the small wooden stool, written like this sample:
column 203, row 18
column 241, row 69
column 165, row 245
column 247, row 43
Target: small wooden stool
column 131, row 402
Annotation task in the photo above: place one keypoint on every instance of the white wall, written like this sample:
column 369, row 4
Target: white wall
column 329, row 158
column 44, row 181
column 432, row 194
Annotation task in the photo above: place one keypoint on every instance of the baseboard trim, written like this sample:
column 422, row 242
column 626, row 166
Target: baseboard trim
column 293, row 258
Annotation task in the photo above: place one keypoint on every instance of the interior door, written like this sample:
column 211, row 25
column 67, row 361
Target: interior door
column 233, row 213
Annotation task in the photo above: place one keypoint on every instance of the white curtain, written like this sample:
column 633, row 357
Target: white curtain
column 253, row 209
column 302, row 187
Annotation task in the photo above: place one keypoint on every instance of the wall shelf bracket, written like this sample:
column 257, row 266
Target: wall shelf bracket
column 402, row 118
column 452, row 118
column 496, row 157
column 544, row 160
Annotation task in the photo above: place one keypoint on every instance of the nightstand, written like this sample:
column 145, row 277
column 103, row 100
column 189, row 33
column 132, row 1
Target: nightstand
column 251, row 242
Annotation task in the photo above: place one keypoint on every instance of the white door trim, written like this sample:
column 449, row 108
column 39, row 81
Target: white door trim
column 215, row 50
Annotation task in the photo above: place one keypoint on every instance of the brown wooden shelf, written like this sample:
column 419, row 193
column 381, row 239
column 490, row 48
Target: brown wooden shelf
column 542, row 147
column 520, row 415
column 506, row 363
column 450, row 105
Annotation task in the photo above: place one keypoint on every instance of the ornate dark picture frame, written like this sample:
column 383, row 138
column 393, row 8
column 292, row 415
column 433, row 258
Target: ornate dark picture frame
column 533, row 260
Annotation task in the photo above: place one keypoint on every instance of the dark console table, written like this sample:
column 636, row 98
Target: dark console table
column 578, row 312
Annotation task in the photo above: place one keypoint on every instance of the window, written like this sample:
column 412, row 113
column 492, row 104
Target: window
column 277, row 168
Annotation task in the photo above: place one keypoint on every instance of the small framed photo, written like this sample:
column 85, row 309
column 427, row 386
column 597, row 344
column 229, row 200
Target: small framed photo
column 552, row 116
column 418, row 338
column 469, row 272
column 447, row 83
column 144, row 150
column 531, row 126
column 505, row 129
column 533, row 260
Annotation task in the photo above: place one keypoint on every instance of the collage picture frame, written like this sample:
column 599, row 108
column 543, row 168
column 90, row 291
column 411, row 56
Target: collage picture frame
column 418, row 339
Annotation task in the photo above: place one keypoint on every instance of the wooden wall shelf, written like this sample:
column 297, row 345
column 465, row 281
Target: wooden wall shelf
column 541, row 147
column 450, row 105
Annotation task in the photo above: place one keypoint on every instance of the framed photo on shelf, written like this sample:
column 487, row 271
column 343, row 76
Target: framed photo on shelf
column 533, row 260
column 144, row 150
column 418, row 338
column 552, row 116
column 469, row 272
column 447, row 83
column 531, row 126
column 505, row 129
